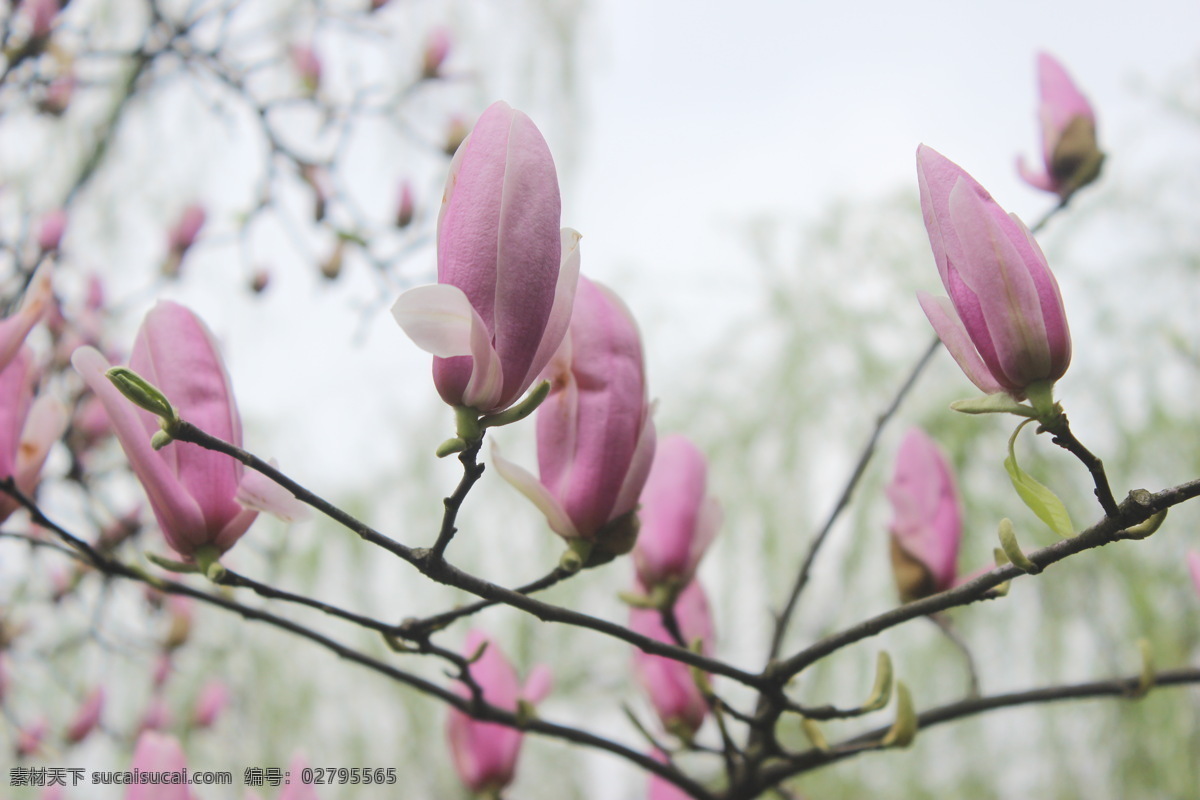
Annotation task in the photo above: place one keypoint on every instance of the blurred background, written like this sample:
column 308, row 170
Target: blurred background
column 744, row 177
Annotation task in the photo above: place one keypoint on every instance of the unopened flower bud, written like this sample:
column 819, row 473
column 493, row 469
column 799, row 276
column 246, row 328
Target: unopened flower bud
column 437, row 47
column 405, row 207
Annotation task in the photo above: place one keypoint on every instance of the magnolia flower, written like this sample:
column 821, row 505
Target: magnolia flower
column 926, row 524
column 506, row 273
column 1070, row 155
column 182, row 235
column 485, row 753
column 1193, row 559
column 1004, row 321
column 28, row 428
column 678, row 518
column 670, row 684
column 595, row 434
column 201, row 498
column 158, row 753
column 87, row 717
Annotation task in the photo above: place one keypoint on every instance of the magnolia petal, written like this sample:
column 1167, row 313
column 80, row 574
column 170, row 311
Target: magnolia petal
column 174, row 508
column 995, row 269
column 524, row 482
column 14, row 329
column 438, row 318
column 1038, row 179
column 953, row 334
column 157, row 752
column 639, row 469
column 46, row 424
column 484, row 390
column 258, row 492
column 564, row 303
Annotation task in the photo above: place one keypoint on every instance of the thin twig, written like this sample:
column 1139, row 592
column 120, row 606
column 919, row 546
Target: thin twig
column 860, row 468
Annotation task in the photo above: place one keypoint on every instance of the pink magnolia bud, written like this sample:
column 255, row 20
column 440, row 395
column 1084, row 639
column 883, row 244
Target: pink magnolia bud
column 485, row 754
column 308, row 66
column 28, row 428
column 41, row 15
column 213, row 698
column 437, row 47
column 156, row 752
column 405, row 207
column 30, row 738
column 668, row 683
column 183, row 233
column 58, row 94
column 1070, row 154
column 201, row 498
column 87, row 717
column 927, row 519
column 456, row 136
column 1004, row 321
column 4, row 677
column 595, row 433
column 506, row 274
column 678, row 518
column 51, row 227
column 38, row 299
column 1193, row 559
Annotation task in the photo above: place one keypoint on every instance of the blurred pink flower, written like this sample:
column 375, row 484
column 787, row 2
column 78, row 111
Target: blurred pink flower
column 87, row 718
column 485, row 753
column 926, row 524
column 39, row 295
column 437, row 47
column 51, row 227
column 1071, row 158
column 212, row 700
column 28, row 427
column 668, row 683
column 1193, row 560
column 158, row 753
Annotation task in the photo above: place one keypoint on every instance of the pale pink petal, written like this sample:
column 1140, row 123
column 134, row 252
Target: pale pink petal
column 523, row 481
column 298, row 789
column 564, row 304
column 257, row 491
column 15, row 328
column 1193, row 559
column 953, row 334
column 45, row 425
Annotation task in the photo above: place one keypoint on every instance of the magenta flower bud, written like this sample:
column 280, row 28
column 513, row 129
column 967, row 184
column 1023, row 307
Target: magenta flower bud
column 595, row 433
column 1004, row 321
column 51, row 227
column 28, row 428
column 183, row 233
column 156, row 752
column 506, row 273
column 485, row 754
column 437, row 47
column 927, row 521
column 41, row 15
column 308, row 66
column 58, row 95
column 668, row 683
column 200, row 498
column 405, row 206
column 213, row 698
column 1193, row 560
column 678, row 518
column 297, row 789
column 30, row 738
column 1070, row 154
column 87, row 717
